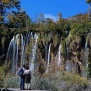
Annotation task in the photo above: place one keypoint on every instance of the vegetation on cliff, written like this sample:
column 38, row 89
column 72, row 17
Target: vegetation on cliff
column 72, row 33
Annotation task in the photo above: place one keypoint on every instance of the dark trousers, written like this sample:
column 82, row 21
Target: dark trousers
column 22, row 81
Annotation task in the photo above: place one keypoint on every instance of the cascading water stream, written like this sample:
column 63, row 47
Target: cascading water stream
column 59, row 55
column 68, row 64
column 86, row 59
column 17, row 41
column 46, row 52
column 33, row 54
column 13, row 56
column 22, row 50
column 48, row 62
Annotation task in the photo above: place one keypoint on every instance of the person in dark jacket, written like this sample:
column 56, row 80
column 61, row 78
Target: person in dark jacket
column 22, row 77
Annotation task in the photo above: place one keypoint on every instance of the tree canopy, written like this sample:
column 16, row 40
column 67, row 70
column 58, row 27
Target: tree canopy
column 88, row 1
column 13, row 20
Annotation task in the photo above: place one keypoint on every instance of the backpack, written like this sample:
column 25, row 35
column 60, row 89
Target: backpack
column 20, row 72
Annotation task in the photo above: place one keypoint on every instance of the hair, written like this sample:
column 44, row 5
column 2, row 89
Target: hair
column 24, row 65
column 27, row 67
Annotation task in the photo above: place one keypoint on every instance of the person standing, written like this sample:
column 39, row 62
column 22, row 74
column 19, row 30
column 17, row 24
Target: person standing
column 27, row 74
column 22, row 77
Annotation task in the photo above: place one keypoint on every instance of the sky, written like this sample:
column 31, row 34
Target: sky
column 50, row 8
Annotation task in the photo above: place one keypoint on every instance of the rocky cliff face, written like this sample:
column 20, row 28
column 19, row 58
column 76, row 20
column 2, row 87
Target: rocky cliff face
column 74, row 54
column 71, row 53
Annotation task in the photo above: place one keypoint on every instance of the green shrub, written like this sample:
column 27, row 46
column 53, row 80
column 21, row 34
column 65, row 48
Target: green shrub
column 11, row 82
column 75, row 79
column 3, row 73
column 42, row 83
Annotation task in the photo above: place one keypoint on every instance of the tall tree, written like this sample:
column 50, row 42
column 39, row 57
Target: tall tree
column 6, row 7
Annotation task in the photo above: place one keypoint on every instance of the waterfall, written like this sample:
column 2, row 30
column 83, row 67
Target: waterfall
column 8, row 52
column 13, row 57
column 48, row 61
column 46, row 52
column 59, row 55
column 68, row 66
column 12, row 53
column 22, row 50
column 33, row 54
column 86, row 59
column 31, row 35
column 67, row 61
column 17, row 52
column 17, row 41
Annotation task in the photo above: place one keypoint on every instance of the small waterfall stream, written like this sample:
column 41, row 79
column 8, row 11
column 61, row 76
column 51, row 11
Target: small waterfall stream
column 22, row 50
column 86, row 59
column 46, row 52
column 33, row 54
column 59, row 55
column 67, row 62
column 17, row 36
column 68, row 66
column 48, row 61
column 12, row 53
column 13, row 57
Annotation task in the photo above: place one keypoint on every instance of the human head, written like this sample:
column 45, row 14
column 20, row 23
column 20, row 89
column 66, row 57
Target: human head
column 24, row 65
column 27, row 67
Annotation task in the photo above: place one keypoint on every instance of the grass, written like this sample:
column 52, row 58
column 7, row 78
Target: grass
column 11, row 81
column 55, row 80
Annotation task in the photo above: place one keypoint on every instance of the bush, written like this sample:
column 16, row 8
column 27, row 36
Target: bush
column 41, row 83
column 11, row 82
column 3, row 73
column 75, row 79
column 60, row 81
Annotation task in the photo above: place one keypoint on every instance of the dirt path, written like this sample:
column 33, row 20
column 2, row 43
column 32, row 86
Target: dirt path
column 12, row 89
